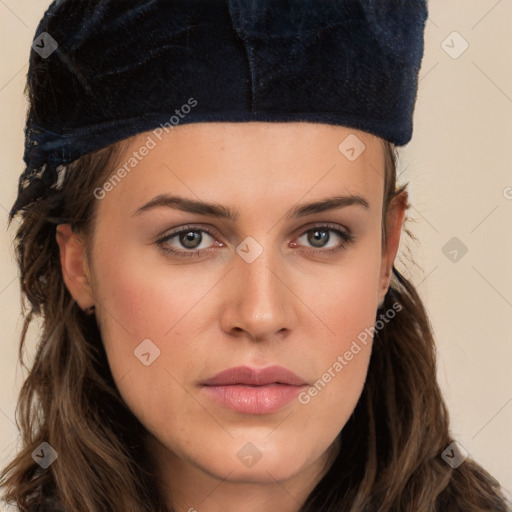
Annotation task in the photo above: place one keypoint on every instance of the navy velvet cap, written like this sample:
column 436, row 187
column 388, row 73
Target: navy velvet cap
column 103, row 70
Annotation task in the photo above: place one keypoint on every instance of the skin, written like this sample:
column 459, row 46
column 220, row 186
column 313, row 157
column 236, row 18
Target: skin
column 210, row 312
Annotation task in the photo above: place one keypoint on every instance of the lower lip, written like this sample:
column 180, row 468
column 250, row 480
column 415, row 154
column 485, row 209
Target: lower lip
column 253, row 399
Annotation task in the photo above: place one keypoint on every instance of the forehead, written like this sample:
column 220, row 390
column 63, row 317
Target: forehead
column 249, row 163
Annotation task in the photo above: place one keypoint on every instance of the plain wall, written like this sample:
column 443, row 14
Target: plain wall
column 458, row 166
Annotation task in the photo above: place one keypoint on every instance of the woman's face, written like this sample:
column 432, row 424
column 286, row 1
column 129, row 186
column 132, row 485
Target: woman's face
column 270, row 284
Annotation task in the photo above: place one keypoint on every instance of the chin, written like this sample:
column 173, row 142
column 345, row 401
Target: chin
column 259, row 462
column 262, row 472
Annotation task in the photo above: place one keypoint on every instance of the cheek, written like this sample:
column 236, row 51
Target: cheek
column 139, row 301
column 346, row 299
column 346, row 303
column 140, row 314
column 140, row 298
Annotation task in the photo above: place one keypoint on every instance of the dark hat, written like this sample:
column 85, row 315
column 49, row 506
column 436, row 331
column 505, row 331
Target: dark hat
column 103, row 70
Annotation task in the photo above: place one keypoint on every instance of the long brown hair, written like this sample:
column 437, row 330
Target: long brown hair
column 390, row 452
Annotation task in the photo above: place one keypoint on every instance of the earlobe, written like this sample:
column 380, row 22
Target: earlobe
column 74, row 266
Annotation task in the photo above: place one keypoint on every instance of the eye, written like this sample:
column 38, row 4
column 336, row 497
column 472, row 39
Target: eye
column 319, row 236
column 188, row 240
column 189, row 237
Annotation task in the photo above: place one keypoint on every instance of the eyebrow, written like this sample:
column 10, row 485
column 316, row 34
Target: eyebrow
column 216, row 210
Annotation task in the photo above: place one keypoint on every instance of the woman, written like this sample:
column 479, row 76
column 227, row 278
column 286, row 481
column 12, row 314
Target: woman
column 210, row 220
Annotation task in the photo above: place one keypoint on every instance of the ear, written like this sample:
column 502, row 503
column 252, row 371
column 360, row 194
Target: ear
column 75, row 269
column 394, row 223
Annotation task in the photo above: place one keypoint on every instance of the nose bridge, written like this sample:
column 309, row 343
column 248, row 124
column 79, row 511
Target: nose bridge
column 259, row 302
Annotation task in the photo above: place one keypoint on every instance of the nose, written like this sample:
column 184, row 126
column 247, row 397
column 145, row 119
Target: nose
column 258, row 301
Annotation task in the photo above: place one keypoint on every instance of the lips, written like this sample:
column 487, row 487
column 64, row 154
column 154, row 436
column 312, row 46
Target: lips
column 253, row 390
column 244, row 375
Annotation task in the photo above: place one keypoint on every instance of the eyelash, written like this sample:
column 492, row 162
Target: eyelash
column 347, row 239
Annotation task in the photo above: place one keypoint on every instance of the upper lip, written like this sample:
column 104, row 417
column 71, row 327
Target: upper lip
column 254, row 377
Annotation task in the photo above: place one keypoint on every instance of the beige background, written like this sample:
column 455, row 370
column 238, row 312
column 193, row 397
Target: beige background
column 459, row 169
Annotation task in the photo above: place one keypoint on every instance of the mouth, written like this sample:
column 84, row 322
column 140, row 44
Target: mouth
column 252, row 390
